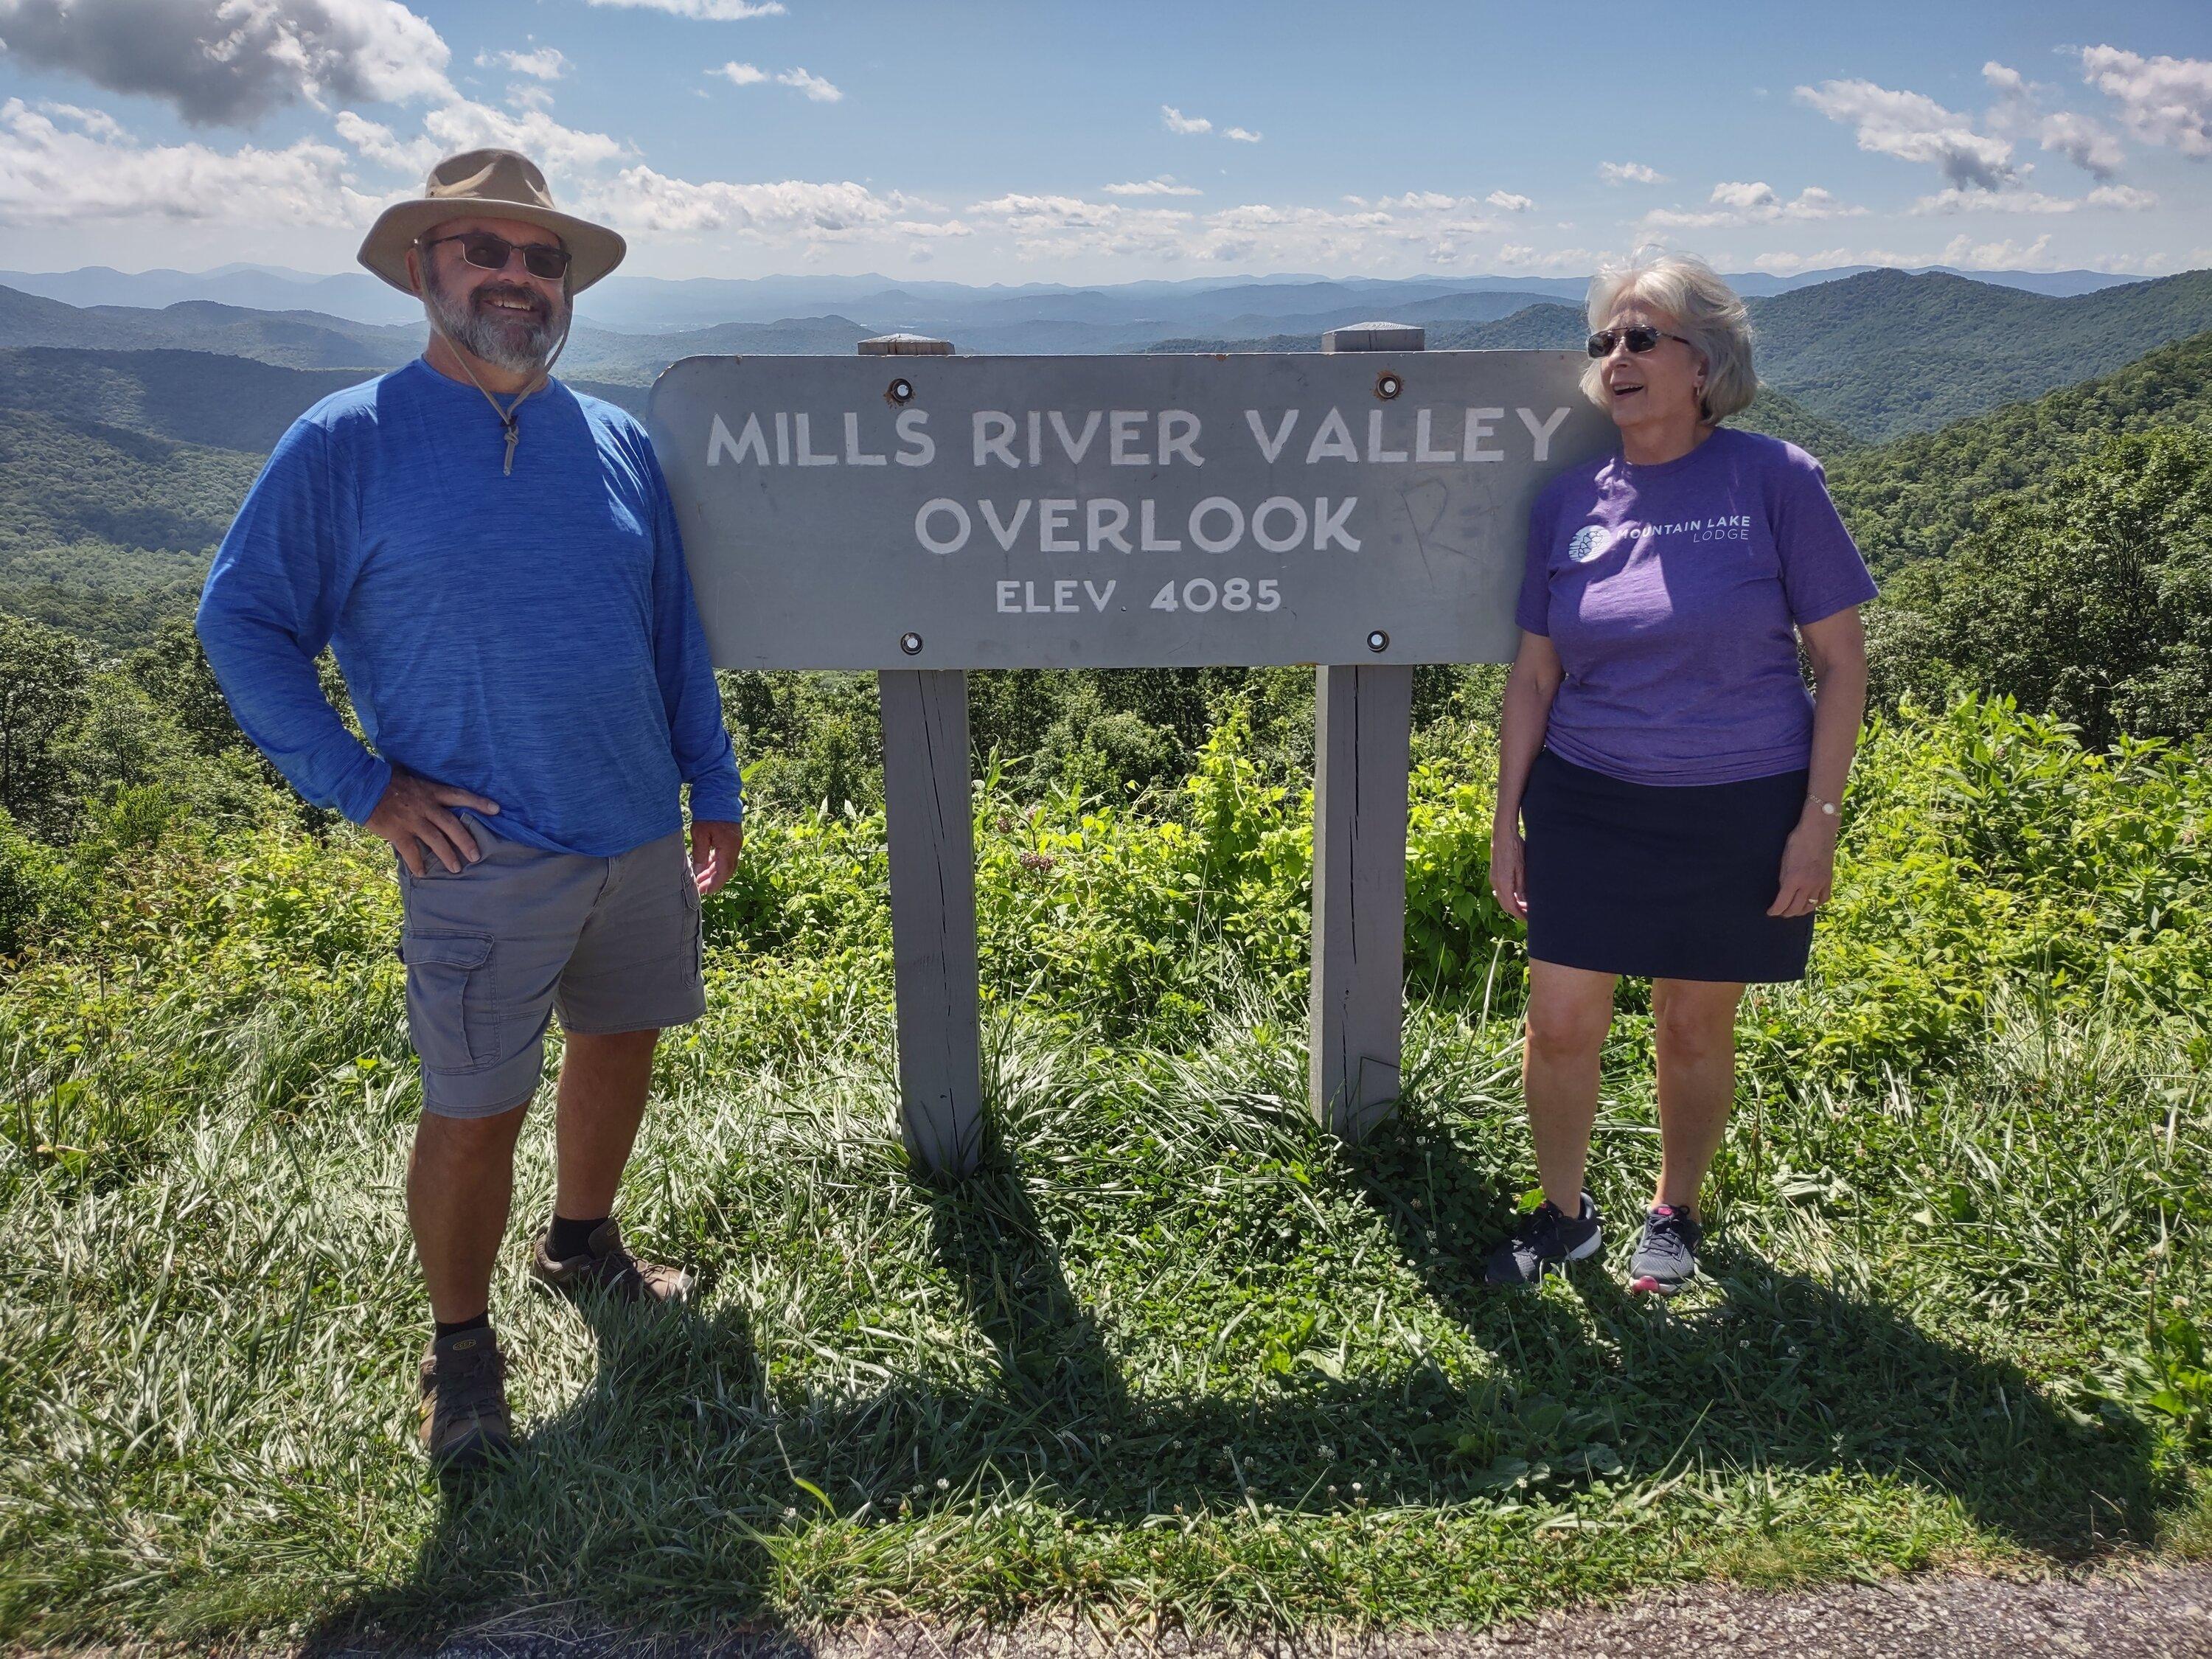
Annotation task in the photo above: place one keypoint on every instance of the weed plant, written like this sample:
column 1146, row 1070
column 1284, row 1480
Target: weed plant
column 1173, row 1359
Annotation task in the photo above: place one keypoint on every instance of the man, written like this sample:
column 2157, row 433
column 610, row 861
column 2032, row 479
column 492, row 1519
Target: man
column 504, row 589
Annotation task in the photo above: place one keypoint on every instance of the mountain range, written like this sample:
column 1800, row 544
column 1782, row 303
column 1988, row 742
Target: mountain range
column 128, row 434
column 1878, row 353
column 1885, row 352
column 633, row 304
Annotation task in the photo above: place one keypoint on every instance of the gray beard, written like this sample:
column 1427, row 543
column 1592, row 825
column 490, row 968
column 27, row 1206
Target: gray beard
column 517, row 346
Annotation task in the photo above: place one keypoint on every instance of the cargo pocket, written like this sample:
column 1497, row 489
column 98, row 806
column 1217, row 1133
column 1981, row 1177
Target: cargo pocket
column 696, row 910
column 452, row 1014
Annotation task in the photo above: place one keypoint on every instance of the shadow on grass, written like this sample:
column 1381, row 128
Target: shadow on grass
column 1762, row 1368
column 1757, row 1368
column 656, row 1499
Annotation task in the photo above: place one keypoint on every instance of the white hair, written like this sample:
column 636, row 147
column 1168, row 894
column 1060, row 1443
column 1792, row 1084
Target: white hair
column 1703, row 308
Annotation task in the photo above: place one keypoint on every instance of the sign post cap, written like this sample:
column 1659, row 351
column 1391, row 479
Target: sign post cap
column 1376, row 336
column 905, row 345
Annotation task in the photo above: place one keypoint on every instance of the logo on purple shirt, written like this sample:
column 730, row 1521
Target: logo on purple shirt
column 1589, row 544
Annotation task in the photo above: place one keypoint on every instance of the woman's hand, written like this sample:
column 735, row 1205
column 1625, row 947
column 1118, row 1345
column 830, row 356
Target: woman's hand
column 1509, row 860
column 1808, row 865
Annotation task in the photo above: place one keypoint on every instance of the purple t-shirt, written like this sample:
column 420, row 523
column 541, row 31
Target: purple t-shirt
column 1672, row 593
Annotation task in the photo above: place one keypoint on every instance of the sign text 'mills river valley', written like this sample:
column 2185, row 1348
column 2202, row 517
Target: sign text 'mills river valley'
column 1101, row 512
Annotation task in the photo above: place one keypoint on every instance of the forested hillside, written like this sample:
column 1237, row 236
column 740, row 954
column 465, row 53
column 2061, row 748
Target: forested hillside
column 1914, row 496
column 119, row 472
column 1886, row 353
column 70, row 486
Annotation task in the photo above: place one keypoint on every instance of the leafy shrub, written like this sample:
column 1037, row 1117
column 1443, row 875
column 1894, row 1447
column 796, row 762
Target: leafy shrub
column 45, row 684
column 35, row 890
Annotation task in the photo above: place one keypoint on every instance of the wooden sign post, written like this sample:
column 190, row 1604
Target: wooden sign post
column 930, row 825
column 1363, row 746
column 921, row 514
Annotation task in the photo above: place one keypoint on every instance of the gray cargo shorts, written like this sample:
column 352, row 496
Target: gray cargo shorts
column 611, row 945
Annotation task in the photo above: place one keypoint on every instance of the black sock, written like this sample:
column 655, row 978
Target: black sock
column 481, row 1323
column 571, row 1238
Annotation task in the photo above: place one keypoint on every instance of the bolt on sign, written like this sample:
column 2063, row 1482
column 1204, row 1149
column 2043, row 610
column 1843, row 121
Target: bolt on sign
column 1163, row 511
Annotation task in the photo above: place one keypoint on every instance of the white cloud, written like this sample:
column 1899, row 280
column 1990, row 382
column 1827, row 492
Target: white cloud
column 541, row 63
column 464, row 125
column 375, row 141
column 1574, row 260
column 709, row 11
column 1059, row 227
column 1789, row 264
column 1913, row 127
column 812, row 85
column 1753, row 202
column 1052, row 212
column 1194, row 125
column 1424, row 228
column 1630, row 172
column 555, row 148
column 232, row 61
column 2163, row 100
column 1967, row 254
column 2083, row 142
column 1744, row 195
column 789, row 212
column 52, row 176
column 2122, row 198
column 750, row 75
column 97, row 122
column 1163, row 186
column 2137, row 265
column 1506, row 200
column 2018, row 111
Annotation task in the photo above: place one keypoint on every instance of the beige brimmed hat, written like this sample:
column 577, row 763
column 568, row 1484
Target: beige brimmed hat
column 492, row 184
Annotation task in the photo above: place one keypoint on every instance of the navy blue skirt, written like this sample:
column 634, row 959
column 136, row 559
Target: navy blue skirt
column 1660, row 882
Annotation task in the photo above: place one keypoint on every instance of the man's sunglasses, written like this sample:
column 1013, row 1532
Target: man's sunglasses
column 486, row 251
column 1638, row 339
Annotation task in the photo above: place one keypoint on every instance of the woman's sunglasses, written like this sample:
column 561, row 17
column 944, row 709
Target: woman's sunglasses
column 1638, row 339
column 486, row 251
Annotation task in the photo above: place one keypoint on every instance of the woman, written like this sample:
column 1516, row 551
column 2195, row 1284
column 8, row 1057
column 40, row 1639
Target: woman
column 1678, row 786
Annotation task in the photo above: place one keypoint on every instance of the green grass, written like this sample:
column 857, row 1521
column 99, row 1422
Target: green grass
column 1170, row 1357
column 1173, row 1359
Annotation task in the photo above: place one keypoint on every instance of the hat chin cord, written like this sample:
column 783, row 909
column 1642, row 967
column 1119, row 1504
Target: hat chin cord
column 507, row 417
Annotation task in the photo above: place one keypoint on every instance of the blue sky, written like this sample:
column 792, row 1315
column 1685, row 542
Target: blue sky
column 1007, row 142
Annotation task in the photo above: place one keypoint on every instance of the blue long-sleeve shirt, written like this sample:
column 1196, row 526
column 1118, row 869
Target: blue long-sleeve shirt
column 529, row 636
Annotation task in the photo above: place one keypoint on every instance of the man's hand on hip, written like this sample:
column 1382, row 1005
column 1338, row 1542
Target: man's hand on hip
column 714, row 849
column 413, row 814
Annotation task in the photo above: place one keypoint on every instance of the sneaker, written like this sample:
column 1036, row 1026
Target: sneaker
column 1545, row 1239
column 607, row 1265
column 1667, row 1258
column 465, row 1422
